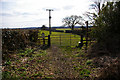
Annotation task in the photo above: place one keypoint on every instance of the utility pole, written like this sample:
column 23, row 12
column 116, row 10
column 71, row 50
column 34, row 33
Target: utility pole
column 49, row 19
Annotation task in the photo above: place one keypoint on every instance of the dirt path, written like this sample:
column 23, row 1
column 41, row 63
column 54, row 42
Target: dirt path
column 59, row 65
column 54, row 62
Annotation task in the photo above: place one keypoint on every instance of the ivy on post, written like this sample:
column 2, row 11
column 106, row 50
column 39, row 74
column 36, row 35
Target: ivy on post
column 86, row 35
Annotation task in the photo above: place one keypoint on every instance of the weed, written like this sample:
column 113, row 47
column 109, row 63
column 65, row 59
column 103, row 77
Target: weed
column 22, row 54
column 49, row 77
column 84, row 71
column 89, row 62
column 40, row 53
column 27, row 65
column 22, row 69
column 76, row 68
column 26, row 53
column 77, row 55
column 39, row 61
column 8, row 62
column 23, row 74
column 37, row 74
column 31, row 59
column 6, row 74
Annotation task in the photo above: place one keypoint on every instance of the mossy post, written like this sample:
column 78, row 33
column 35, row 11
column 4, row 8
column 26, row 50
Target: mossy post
column 43, row 36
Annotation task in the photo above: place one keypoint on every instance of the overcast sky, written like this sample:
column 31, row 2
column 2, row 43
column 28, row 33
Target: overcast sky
column 32, row 13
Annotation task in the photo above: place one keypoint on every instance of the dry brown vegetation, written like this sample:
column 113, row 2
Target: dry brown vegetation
column 107, row 62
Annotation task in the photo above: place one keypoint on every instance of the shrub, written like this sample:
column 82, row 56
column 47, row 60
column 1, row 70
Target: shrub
column 106, row 30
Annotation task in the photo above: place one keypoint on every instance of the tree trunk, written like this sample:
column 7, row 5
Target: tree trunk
column 72, row 27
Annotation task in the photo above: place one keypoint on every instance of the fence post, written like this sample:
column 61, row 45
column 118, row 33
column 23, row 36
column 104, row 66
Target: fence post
column 49, row 42
column 40, row 41
column 81, row 40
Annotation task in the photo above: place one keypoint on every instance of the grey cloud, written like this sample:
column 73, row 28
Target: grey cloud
column 68, row 7
column 6, row 14
column 36, row 20
column 16, row 14
column 40, row 20
column 23, row 13
column 7, row 5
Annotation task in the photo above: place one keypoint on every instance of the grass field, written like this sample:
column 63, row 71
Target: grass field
column 63, row 29
column 62, row 39
column 66, row 29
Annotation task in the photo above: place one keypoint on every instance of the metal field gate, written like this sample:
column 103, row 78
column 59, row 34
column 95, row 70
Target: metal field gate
column 65, row 39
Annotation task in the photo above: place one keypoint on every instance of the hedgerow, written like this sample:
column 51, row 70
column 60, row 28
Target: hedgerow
column 13, row 40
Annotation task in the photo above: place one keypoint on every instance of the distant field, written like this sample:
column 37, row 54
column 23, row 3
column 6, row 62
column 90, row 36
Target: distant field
column 63, row 29
column 66, row 29
column 62, row 39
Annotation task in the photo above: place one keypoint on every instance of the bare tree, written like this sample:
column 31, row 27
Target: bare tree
column 72, row 21
column 96, row 6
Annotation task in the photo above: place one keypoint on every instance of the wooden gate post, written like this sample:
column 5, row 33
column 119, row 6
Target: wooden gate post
column 49, row 42
column 81, row 40
column 43, row 36
column 43, row 41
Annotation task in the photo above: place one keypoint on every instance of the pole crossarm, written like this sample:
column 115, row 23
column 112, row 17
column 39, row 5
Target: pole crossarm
column 49, row 19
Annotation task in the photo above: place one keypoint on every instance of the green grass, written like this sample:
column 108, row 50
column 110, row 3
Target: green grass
column 61, row 38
